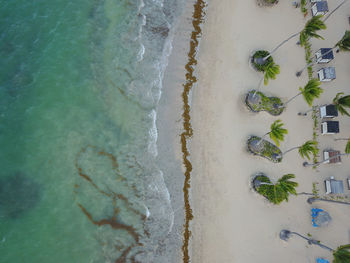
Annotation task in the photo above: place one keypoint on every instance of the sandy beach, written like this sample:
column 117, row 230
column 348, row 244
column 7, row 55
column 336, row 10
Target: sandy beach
column 232, row 223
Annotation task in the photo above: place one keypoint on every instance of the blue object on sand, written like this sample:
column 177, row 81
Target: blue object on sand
column 322, row 260
column 319, row 217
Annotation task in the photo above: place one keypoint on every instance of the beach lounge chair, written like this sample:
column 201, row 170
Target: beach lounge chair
column 330, row 127
column 319, row 8
column 326, row 74
column 321, row 260
column 327, row 154
column 334, row 186
column 328, row 111
column 324, row 55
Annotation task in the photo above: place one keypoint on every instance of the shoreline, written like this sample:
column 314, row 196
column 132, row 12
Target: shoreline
column 171, row 134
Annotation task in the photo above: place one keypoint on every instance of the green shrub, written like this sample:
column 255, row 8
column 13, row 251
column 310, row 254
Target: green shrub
column 272, row 105
column 261, row 54
column 265, row 149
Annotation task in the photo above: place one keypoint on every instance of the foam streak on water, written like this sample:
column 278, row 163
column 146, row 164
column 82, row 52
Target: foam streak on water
column 80, row 83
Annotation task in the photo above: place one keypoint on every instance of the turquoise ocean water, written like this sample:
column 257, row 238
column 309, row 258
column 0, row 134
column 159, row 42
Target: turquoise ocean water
column 79, row 86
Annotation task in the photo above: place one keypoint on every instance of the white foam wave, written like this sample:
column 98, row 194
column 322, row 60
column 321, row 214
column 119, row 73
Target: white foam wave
column 153, row 134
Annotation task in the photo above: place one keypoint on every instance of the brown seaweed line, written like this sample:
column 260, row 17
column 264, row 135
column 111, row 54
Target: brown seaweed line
column 197, row 20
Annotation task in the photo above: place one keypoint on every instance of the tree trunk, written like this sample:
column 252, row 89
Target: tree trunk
column 294, row 35
column 291, row 149
column 262, row 138
column 333, row 157
column 284, row 104
column 335, row 9
column 259, row 85
column 281, row 44
column 312, row 241
column 262, row 183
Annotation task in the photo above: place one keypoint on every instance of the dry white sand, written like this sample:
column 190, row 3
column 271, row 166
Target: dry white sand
column 231, row 222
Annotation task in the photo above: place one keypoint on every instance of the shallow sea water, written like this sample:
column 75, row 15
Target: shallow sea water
column 79, row 86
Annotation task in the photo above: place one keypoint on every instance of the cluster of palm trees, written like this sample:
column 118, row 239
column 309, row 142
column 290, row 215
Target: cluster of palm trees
column 277, row 133
column 279, row 191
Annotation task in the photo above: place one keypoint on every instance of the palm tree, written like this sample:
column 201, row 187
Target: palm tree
column 284, row 187
column 278, row 192
column 313, row 25
column 346, row 152
column 305, row 150
column 276, row 132
column 343, row 45
column 341, row 103
column 311, row 91
column 342, row 254
column 271, row 71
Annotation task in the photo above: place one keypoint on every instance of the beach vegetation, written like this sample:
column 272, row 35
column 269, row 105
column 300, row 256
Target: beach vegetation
column 278, row 192
column 343, row 45
column 346, row 152
column 315, row 189
column 276, row 132
column 261, row 54
column 305, row 150
column 311, row 27
column 342, row 102
column 314, row 131
column 303, row 7
column 257, row 101
column 311, row 91
column 342, row 254
column 258, row 146
column 347, row 147
column 310, row 30
column 271, row 71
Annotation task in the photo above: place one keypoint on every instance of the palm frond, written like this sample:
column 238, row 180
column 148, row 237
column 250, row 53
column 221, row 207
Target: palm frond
column 271, row 72
column 313, row 25
column 309, row 147
column 311, row 91
column 341, row 103
column 277, row 132
column 342, row 254
column 344, row 43
column 347, row 147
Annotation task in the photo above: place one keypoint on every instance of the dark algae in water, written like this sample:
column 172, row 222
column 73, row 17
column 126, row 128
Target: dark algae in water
column 119, row 208
column 18, row 195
